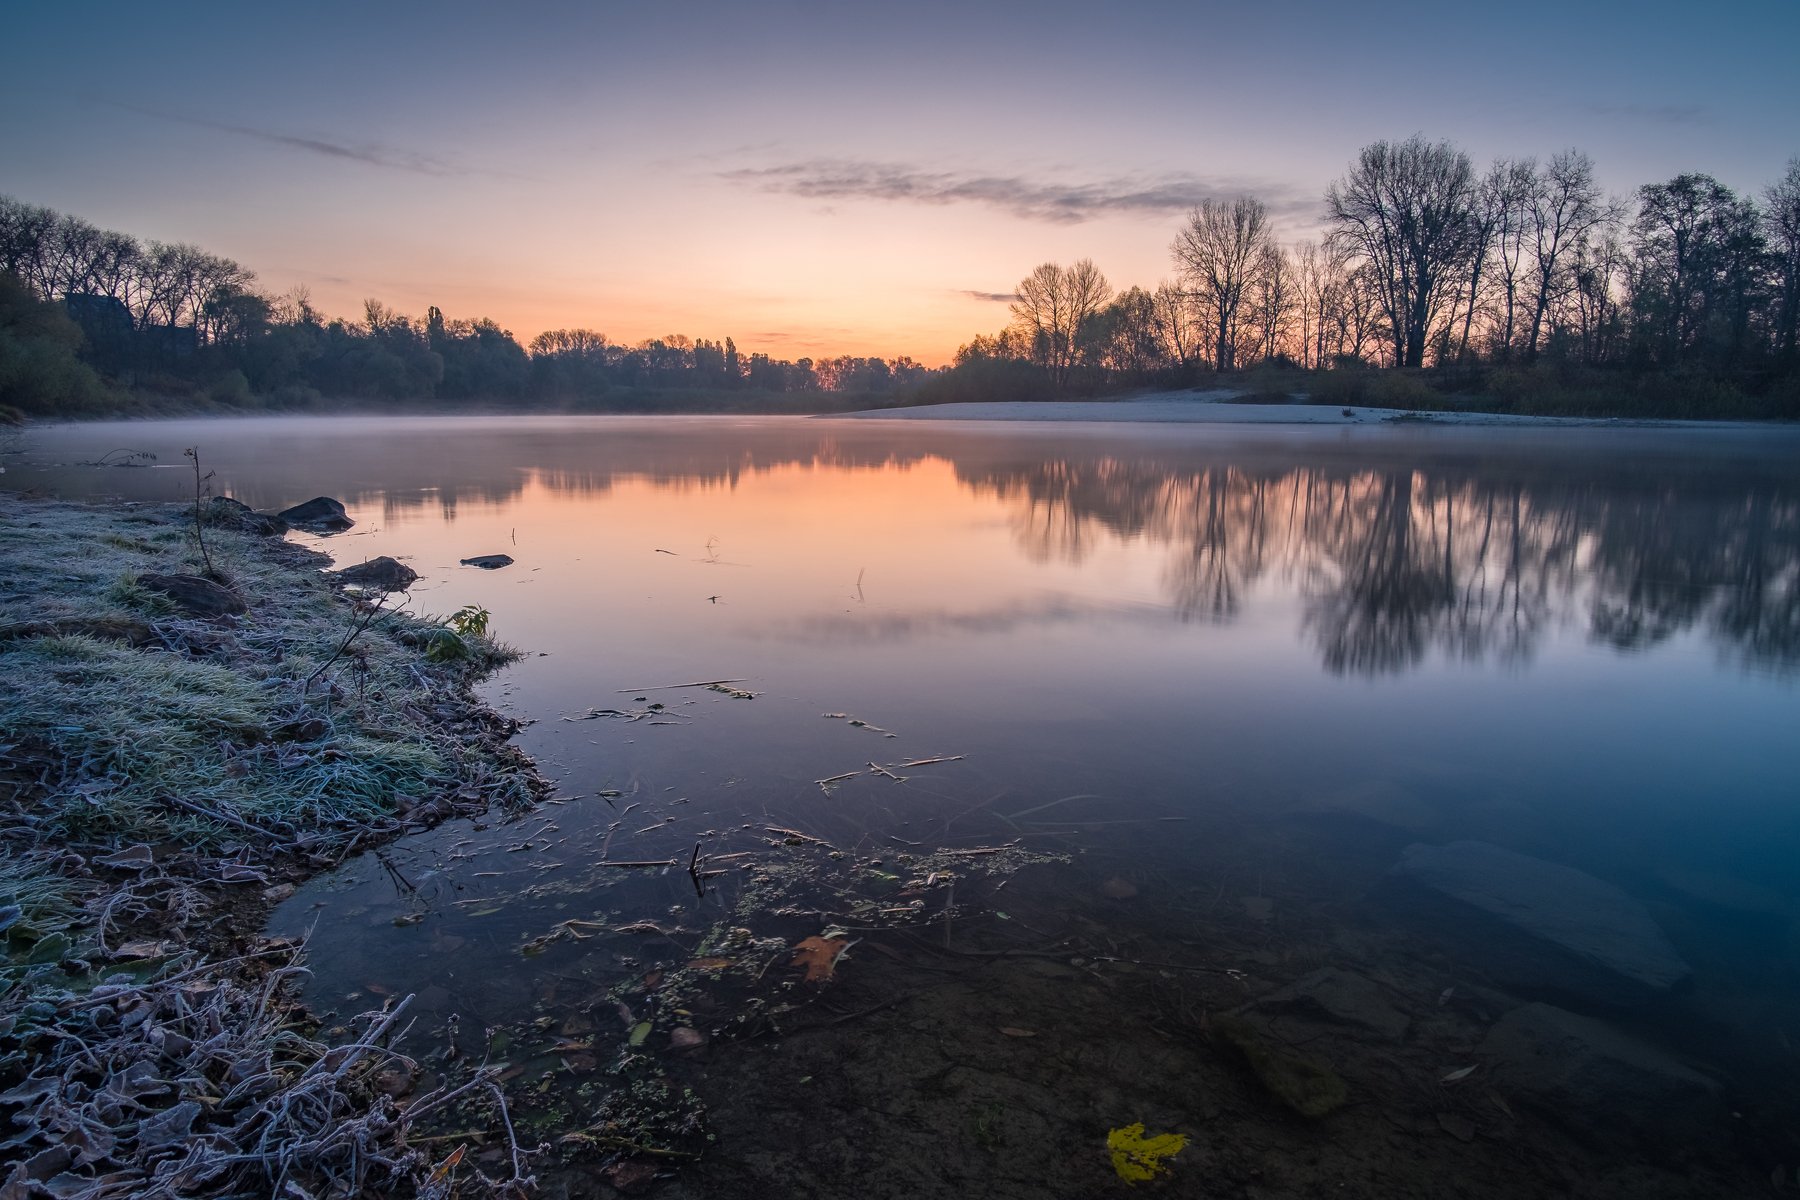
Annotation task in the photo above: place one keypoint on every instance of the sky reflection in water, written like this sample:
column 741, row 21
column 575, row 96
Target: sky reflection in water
column 1579, row 644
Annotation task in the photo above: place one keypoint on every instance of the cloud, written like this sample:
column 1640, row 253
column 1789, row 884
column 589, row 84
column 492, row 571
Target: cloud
column 373, row 154
column 1656, row 114
column 1032, row 199
column 992, row 297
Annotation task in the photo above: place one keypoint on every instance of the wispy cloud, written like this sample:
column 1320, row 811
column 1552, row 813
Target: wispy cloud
column 1656, row 114
column 991, row 297
column 1032, row 199
column 373, row 154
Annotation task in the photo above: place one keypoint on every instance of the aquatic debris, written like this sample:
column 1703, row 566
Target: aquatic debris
column 1454, row 1076
column 819, row 955
column 668, row 687
column 1139, row 1159
column 735, row 693
column 656, row 714
column 858, row 723
column 887, row 771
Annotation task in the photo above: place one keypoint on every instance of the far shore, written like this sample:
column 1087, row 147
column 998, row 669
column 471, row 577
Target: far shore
column 1218, row 407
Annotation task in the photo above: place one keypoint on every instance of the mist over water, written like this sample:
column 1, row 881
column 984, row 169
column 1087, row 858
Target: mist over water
column 1304, row 648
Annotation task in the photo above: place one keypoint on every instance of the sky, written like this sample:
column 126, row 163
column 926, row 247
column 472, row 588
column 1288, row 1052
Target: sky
column 815, row 178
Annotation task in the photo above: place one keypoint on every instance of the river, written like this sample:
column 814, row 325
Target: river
column 1188, row 693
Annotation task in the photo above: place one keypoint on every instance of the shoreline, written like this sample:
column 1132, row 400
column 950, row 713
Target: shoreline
column 1217, row 407
column 169, row 775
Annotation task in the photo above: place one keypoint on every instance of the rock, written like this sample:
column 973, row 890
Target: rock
column 1538, row 926
column 321, row 512
column 195, row 595
column 1599, row 1080
column 1304, row 1084
column 388, row 574
column 489, row 562
column 1341, row 998
column 235, row 514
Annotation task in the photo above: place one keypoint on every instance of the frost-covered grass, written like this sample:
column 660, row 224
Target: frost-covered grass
column 239, row 718
column 157, row 770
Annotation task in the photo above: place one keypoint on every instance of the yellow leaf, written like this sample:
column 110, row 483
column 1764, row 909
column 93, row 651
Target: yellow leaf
column 1138, row 1158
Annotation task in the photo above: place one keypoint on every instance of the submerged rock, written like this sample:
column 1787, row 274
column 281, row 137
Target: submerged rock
column 321, row 512
column 388, row 574
column 1539, row 926
column 1301, row 1082
column 1341, row 998
column 489, row 562
column 195, row 595
column 1599, row 1080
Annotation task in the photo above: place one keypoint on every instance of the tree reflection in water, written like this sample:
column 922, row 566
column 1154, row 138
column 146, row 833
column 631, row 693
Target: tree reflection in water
column 1394, row 563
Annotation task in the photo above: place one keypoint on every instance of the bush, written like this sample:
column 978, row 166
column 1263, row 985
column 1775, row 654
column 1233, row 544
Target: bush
column 40, row 374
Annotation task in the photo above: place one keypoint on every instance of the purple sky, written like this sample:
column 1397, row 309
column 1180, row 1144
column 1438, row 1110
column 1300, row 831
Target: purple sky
column 815, row 178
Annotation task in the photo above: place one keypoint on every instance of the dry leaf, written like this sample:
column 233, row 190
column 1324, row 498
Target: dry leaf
column 819, row 956
column 710, row 964
column 449, row 1164
column 685, row 1037
column 1453, row 1076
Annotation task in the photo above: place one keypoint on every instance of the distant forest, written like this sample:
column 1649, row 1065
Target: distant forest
column 93, row 321
column 1522, row 287
column 1437, row 285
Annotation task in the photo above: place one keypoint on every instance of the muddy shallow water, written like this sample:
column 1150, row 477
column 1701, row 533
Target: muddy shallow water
column 1194, row 693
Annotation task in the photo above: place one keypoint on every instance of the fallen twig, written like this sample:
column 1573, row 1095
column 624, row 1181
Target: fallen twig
column 665, row 687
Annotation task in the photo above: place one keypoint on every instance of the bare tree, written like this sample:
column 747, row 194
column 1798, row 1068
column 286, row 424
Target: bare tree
column 1781, row 219
column 1600, row 269
column 1219, row 254
column 1566, row 208
column 1408, row 211
column 1053, row 305
column 1273, row 293
column 1175, row 324
column 1498, row 221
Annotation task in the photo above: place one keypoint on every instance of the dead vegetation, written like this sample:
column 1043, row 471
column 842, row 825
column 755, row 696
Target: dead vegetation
column 164, row 779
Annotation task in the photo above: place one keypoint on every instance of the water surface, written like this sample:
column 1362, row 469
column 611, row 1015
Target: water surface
column 1248, row 666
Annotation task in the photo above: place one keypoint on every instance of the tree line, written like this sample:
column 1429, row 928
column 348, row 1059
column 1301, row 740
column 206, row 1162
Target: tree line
column 1523, row 285
column 1428, row 262
column 87, row 314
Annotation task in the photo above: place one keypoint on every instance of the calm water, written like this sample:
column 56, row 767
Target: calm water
column 1580, row 644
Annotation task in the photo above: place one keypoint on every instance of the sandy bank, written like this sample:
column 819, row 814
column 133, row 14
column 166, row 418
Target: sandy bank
column 1214, row 407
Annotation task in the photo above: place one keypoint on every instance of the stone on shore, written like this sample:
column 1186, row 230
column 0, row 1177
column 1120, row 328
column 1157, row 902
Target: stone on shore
column 1599, row 1080
column 1538, row 926
column 385, row 573
column 235, row 514
column 321, row 512
column 488, row 562
column 195, row 595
